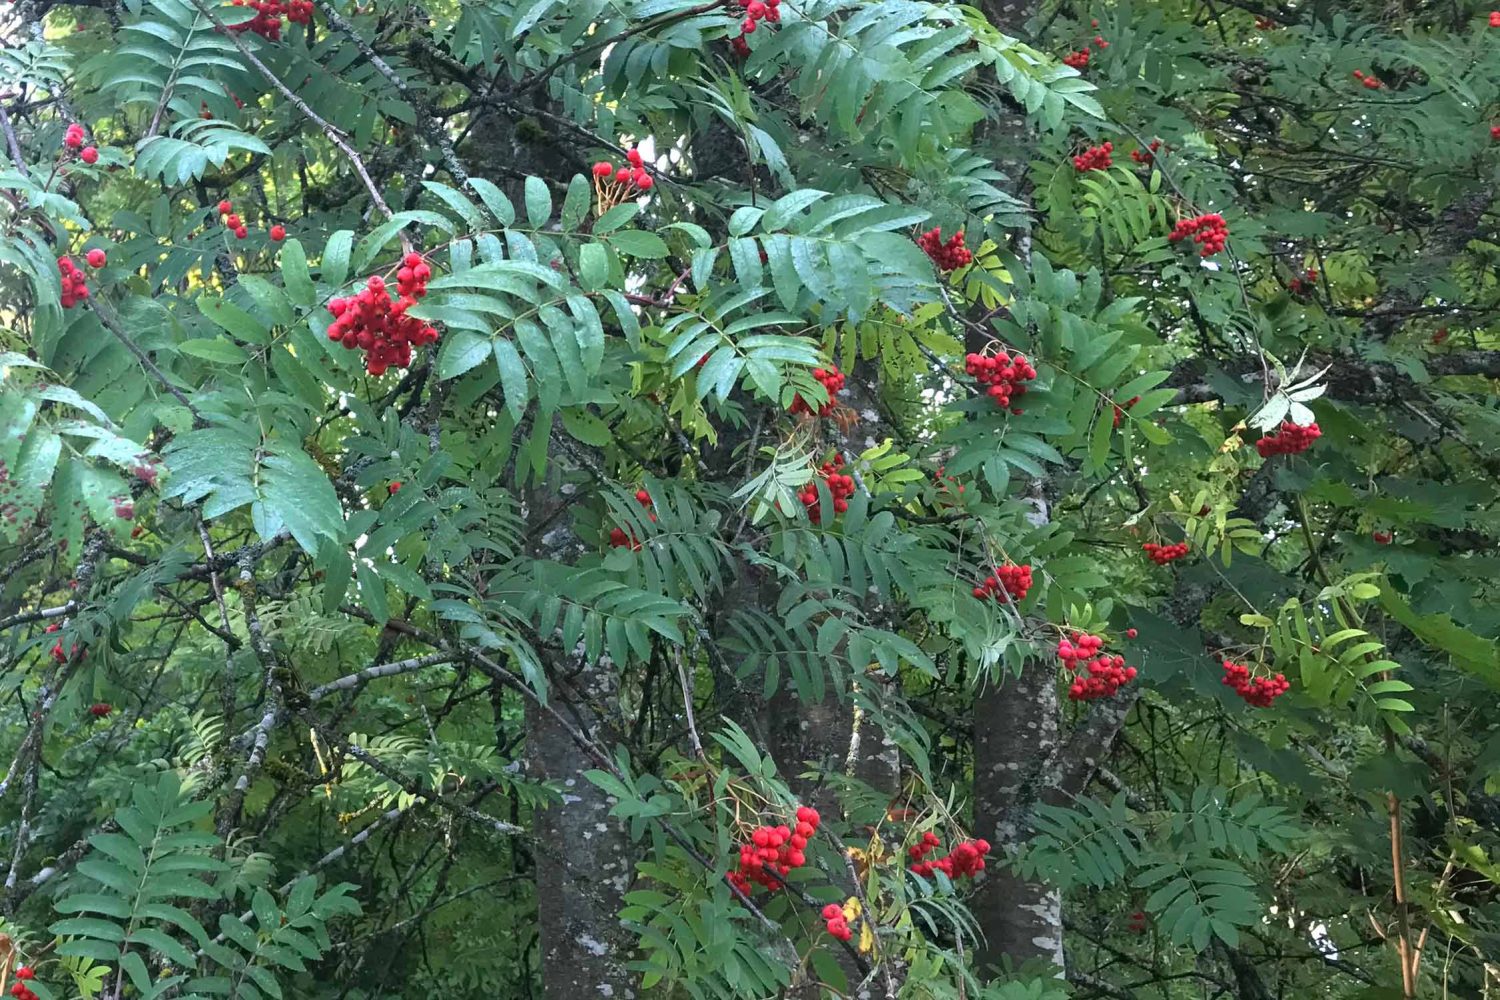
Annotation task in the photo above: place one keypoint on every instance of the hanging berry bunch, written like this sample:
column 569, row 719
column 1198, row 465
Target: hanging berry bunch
column 836, row 922
column 833, row 384
column 840, row 487
column 947, row 256
column 616, row 184
column 1096, row 674
column 101, row 709
column 73, row 141
column 231, row 219
column 269, row 14
column 619, row 538
column 1147, row 155
column 1370, row 80
column 1137, row 923
column 1095, row 158
column 1078, row 60
column 1163, row 554
column 774, row 851
column 1288, row 439
column 755, row 12
column 1005, row 375
column 1209, row 231
column 1258, row 692
column 374, row 323
column 1120, row 410
column 943, row 480
column 74, row 288
column 1304, row 283
column 19, row 989
column 1012, row 580
column 966, row 858
column 73, row 652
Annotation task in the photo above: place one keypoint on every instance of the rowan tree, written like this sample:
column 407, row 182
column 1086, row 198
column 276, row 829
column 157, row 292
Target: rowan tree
column 748, row 499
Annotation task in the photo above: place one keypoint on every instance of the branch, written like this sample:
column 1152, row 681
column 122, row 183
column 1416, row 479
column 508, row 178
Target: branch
column 334, row 135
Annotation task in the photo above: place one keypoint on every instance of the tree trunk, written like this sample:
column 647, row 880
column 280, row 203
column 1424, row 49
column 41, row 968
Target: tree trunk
column 583, row 857
column 1015, row 733
column 584, row 860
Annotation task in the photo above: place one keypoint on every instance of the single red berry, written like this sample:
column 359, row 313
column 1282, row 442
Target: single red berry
column 1131, row 633
column 393, row 488
column 225, row 207
column 241, row 233
column 95, row 257
column 89, row 155
column 278, row 233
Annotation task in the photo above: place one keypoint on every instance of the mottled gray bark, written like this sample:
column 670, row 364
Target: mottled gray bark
column 1015, row 735
column 583, row 856
column 584, row 860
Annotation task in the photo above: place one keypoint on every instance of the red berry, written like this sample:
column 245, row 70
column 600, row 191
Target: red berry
column 89, row 155
column 278, row 233
column 95, row 257
column 1130, row 633
column 393, row 488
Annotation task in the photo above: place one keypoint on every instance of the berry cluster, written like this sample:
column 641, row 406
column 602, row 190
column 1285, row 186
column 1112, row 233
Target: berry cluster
column 73, row 652
column 1370, row 80
column 20, row 990
column 627, row 178
column 100, row 709
column 268, row 16
column 1095, row 158
column 1136, row 924
column 835, row 922
column 755, row 12
column 1163, row 554
column 1381, row 537
column 231, row 221
column 1209, row 231
column 74, row 288
column 1288, row 439
column 1103, row 675
column 1077, row 60
column 943, row 479
column 833, row 384
column 374, row 323
column 1148, row 154
column 774, row 851
column 947, row 256
column 1305, row 283
column 1014, row 580
column 1259, row 692
column 840, row 487
column 73, row 140
column 1120, row 410
column 966, row 858
column 1005, row 375
column 618, row 538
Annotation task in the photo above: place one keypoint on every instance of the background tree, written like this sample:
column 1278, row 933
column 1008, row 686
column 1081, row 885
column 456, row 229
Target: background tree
column 748, row 499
